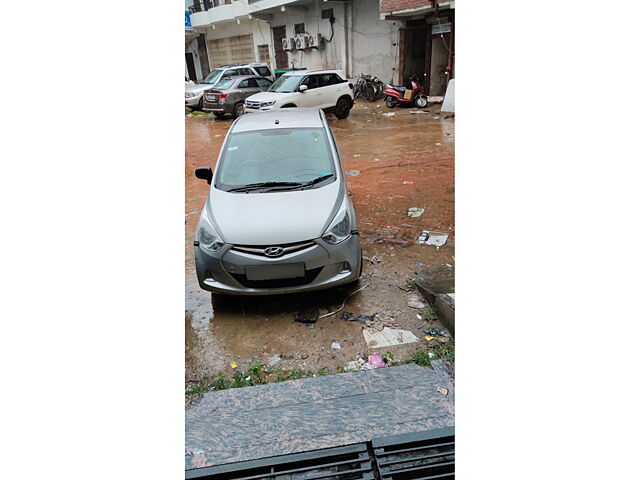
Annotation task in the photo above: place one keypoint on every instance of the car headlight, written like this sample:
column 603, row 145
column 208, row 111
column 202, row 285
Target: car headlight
column 340, row 228
column 189, row 94
column 267, row 104
column 207, row 235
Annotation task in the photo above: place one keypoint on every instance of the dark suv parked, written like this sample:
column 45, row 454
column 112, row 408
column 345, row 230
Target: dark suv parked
column 227, row 96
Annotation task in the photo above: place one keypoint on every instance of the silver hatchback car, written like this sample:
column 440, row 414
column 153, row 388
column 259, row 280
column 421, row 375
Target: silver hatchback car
column 278, row 218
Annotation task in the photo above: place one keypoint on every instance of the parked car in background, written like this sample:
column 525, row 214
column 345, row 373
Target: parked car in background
column 278, row 218
column 193, row 95
column 325, row 89
column 228, row 95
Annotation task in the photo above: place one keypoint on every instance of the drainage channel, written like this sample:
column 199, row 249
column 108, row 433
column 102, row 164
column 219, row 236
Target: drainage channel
column 421, row 455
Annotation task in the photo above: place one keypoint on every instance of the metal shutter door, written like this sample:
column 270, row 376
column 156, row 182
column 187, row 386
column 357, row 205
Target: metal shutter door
column 231, row 50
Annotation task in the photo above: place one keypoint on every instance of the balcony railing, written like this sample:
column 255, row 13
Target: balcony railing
column 204, row 5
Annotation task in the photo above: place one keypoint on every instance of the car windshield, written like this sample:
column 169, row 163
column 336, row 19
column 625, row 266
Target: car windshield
column 224, row 84
column 213, row 76
column 292, row 155
column 286, row 84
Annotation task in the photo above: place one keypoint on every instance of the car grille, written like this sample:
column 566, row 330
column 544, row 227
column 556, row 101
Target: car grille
column 250, row 104
column 309, row 276
column 258, row 250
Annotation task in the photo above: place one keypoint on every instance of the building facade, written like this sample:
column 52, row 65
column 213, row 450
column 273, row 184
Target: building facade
column 391, row 39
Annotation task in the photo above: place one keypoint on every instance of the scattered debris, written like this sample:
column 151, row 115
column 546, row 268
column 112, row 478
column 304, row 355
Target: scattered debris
column 414, row 302
column 388, row 337
column 356, row 364
column 415, row 211
column 436, row 239
column 352, row 317
column 356, row 155
column 375, row 324
column 420, row 327
column 416, row 111
column 443, row 390
column 389, row 114
column 435, row 99
column 375, row 361
column 429, row 338
column 343, row 303
column 438, row 144
column 419, row 264
column 233, row 365
column 431, row 354
column 373, row 259
column 352, row 173
column 336, row 345
column 309, row 315
column 407, row 182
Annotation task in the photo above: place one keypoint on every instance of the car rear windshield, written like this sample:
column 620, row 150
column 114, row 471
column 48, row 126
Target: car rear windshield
column 213, row 76
column 224, row 84
column 280, row 155
column 264, row 71
column 286, row 84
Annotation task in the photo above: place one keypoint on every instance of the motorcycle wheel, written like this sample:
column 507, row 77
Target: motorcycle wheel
column 370, row 93
column 390, row 101
column 421, row 101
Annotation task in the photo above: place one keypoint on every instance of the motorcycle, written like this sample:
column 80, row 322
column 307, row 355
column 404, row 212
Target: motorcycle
column 397, row 95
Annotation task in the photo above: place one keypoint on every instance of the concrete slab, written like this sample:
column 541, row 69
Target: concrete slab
column 301, row 415
column 388, row 337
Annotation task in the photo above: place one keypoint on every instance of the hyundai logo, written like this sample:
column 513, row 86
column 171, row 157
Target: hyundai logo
column 273, row 251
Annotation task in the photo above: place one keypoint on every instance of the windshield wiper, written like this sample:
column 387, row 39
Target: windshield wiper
column 316, row 180
column 257, row 186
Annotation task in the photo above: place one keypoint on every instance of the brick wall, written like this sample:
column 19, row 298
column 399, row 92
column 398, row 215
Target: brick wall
column 394, row 5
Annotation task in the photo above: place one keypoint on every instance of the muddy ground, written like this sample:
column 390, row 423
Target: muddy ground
column 388, row 152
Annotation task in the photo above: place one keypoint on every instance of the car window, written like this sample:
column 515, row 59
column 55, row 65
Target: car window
column 248, row 83
column 263, row 82
column 327, row 79
column 246, row 71
column 312, row 81
column 283, row 155
column 264, row 71
column 224, row 84
column 286, row 84
column 213, row 76
column 230, row 73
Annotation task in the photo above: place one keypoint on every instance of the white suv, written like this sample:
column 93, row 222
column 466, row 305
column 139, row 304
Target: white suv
column 325, row 89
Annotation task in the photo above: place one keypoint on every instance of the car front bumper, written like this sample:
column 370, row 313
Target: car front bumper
column 192, row 101
column 325, row 266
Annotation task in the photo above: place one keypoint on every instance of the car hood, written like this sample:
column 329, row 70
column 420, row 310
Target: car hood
column 267, row 96
column 274, row 218
column 199, row 88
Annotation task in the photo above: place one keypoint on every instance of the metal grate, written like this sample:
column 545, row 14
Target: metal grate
column 423, row 455
column 286, row 248
column 341, row 463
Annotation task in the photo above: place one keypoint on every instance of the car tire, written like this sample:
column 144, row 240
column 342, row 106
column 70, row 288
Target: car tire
column 218, row 114
column 217, row 301
column 343, row 107
column 288, row 105
column 201, row 103
column 390, row 101
column 238, row 109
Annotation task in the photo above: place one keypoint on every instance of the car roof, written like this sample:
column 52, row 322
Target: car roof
column 286, row 118
column 306, row 72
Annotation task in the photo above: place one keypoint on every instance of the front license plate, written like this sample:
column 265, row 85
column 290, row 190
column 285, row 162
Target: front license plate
column 275, row 272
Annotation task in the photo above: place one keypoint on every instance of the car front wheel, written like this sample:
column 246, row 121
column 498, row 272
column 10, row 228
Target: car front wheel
column 238, row 109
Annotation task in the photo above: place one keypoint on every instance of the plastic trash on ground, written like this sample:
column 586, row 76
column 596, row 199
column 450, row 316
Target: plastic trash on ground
column 415, row 212
column 375, row 361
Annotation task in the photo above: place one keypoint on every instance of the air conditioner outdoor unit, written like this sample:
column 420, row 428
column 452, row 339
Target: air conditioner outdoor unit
column 315, row 40
column 286, row 44
column 300, row 43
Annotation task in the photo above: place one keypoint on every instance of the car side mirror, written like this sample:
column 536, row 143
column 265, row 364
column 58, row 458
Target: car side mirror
column 205, row 173
column 302, row 88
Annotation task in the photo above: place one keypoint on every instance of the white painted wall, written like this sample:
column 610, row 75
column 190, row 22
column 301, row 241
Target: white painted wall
column 374, row 51
column 332, row 55
column 259, row 28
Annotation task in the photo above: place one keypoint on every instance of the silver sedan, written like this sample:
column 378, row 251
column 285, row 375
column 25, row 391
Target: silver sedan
column 228, row 95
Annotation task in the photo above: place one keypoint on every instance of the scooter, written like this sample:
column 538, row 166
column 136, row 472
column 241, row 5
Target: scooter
column 397, row 95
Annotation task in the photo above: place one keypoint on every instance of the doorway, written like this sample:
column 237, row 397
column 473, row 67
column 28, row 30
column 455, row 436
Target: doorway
column 191, row 67
column 282, row 61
